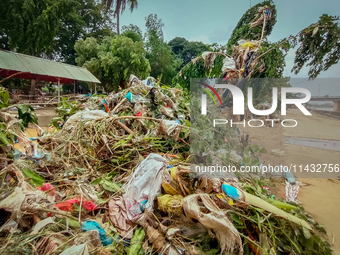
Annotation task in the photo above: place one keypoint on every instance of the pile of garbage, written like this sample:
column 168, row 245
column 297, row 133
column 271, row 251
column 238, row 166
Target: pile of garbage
column 116, row 179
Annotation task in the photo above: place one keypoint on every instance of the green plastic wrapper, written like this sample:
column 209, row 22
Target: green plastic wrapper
column 136, row 242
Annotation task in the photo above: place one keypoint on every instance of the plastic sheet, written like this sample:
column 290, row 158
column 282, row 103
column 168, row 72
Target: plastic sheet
column 225, row 231
column 118, row 217
column 228, row 64
column 68, row 204
column 144, row 184
column 13, row 202
column 76, row 250
column 136, row 98
column 209, row 58
column 85, row 116
column 170, row 128
column 167, row 111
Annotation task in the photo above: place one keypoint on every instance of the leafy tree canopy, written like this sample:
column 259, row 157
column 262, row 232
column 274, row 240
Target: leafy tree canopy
column 51, row 28
column 113, row 60
column 133, row 32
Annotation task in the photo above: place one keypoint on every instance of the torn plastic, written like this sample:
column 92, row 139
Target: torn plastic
column 137, row 98
column 170, row 204
column 119, row 218
column 68, row 204
column 225, row 231
column 228, row 64
column 150, row 82
column 41, row 224
column 170, row 128
column 76, row 250
column 13, row 202
column 209, row 58
column 85, row 116
column 11, row 226
column 167, row 111
column 139, row 189
column 292, row 191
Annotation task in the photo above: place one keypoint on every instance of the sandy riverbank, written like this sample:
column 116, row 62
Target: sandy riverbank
column 320, row 196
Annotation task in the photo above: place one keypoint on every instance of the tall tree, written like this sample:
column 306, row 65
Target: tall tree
column 30, row 26
column 187, row 51
column 50, row 28
column 89, row 19
column 162, row 60
column 119, row 8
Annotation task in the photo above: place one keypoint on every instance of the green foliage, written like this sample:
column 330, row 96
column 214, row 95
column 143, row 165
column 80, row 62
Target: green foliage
column 119, row 7
column 5, row 138
column 319, row 46
column 64, row 110
column 133, row 32
column 30, row 26
column 51, row 27
column 27, row 115
column 243, row 29
column 271, row 61
column 162, row 60
column 187, row 51
column 4, row 98
column 87, row 19
column 50, row 88
column 35, row 179
column 197, row 70
column 193, row 50
column 114, row 60
column 67, row 88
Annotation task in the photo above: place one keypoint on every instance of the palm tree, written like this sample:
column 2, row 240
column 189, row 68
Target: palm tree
column 119, row 8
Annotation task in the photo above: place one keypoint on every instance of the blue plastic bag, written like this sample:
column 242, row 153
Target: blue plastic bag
column 230, row 191
column 93, row 225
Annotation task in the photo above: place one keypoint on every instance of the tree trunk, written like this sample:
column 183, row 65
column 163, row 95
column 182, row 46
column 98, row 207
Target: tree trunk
column 118, row 30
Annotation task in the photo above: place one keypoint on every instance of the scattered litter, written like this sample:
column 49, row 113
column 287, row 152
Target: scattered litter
column 92, row 225
column 278, row 152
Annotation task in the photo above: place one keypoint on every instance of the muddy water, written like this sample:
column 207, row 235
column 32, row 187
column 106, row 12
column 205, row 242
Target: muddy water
column 45, row 115
column 332, row 145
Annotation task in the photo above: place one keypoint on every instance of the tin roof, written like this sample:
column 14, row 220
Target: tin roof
column 33, row 68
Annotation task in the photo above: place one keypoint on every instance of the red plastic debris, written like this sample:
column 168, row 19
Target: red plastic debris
column 47, row 186
column 68, row 204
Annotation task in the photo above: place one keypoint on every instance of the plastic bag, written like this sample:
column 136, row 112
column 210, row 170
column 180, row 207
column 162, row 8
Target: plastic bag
column 170, row 128
column 144, row 184
column 228, row 64
column 13, row 202
column 167, row 111
column 85, row 116
column 150, row 82
column 137, row 98
column 241, row 42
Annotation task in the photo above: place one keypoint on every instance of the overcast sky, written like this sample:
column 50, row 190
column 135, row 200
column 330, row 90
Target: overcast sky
column 213, row 21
